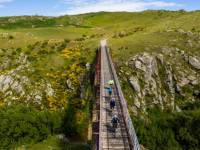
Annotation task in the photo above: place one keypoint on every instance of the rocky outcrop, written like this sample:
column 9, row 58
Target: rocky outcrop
column 157, row 79
column 135, row 84
column 17, row 87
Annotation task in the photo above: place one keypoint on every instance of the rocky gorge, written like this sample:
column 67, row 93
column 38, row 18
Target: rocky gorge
column 167, row 79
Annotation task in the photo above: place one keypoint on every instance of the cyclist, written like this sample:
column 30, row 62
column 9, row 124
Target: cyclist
column 110, row 91
column 112, row 103
column 111, row 82
column 115, row 121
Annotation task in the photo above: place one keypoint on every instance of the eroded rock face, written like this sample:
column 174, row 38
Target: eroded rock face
column 156, row 80
column 145, row 63
column 135, row 84
column 16, row 86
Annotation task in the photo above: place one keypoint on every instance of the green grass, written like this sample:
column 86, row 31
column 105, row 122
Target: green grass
column 53, row 143
column 144, row 31
column 108, row 24
column 22, row 37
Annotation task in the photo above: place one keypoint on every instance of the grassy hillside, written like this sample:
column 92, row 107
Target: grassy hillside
column 43, row 65
column 145, row 28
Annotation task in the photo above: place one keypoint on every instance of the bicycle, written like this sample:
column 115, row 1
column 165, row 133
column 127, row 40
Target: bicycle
column 114, row 127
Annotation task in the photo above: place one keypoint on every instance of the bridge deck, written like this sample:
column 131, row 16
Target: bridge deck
column 110, row 140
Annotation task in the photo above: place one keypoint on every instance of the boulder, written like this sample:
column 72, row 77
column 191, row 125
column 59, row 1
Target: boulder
column 49, row 90
column 122, row 34
column 185, row 57
column 69, row 84
column 134, row 82
column 62, row 138
column 178, row 89
column 137, row 103
column 178, row 109
column 183, row 81
column 195, row 62
column 138, row 65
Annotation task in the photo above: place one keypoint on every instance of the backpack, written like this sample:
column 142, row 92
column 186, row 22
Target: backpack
column 115, row 120
column 112, row 102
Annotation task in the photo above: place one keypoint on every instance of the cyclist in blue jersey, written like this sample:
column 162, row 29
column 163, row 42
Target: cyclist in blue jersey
column 110, row 91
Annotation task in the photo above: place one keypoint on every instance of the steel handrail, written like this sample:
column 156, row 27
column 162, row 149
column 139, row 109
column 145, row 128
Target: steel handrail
column 101, row 98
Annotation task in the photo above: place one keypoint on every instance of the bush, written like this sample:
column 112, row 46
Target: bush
column 186, row 127
column 66, row 40
column 11, row 37
column 21, row 124
column 156, row 134
column 164, row 130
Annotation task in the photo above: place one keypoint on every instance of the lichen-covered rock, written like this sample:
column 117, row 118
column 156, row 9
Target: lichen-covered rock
column 49, row 90
column 16, row 85
column 157, row 79
column 195, row 62
column 63, row 138
column 135, row 84
column 69, row 84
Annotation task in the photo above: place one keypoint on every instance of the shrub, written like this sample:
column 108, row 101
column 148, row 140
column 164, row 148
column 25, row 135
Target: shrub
column 164, row 130
column 21, row 124
column 66, row 40
column 10, row 37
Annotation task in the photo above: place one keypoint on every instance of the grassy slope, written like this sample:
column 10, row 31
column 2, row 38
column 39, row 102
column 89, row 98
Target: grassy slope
column 105, row 25
column 154, row 25
column 154, row 33
column 54, row 143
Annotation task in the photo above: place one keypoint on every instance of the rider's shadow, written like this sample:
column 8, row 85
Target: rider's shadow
column 110, row 128
column 107, row 98
column 109, row 111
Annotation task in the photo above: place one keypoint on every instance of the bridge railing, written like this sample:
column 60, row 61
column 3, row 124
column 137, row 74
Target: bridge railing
column 96, row 104
column 129, row 125
column 101, row 98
